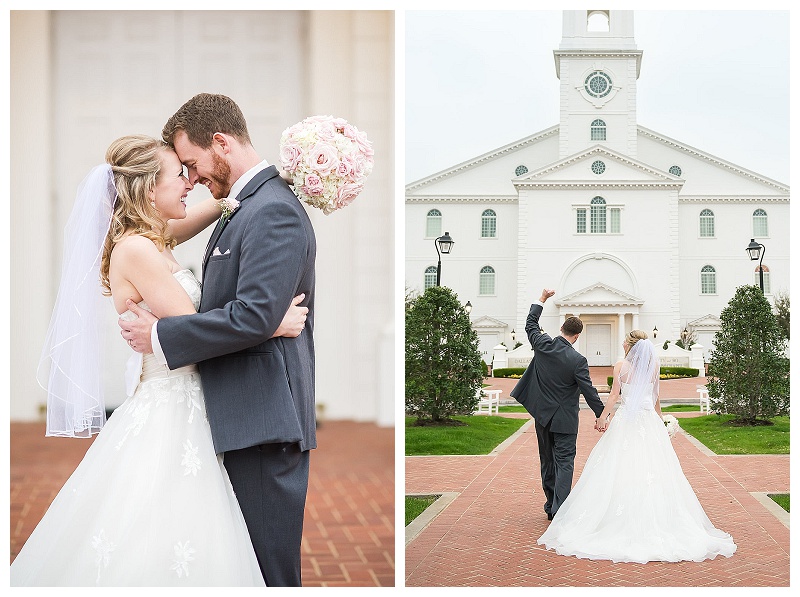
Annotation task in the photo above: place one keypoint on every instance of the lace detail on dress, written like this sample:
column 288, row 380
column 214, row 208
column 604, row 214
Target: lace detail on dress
column 103, row 548
column 183, row 555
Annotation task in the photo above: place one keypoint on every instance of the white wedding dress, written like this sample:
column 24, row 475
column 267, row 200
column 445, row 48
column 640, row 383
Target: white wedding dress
column 150, row 503
column 632, row 502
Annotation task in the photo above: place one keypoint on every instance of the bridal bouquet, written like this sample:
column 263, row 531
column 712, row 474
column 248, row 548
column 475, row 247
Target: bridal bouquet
column 328, row 160
column 671, row 423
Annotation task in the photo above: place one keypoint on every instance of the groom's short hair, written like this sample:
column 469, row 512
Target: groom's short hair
column 204, row 115
column 572, row 326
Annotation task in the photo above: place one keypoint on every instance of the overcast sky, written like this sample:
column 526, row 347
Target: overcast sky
column 715, row 80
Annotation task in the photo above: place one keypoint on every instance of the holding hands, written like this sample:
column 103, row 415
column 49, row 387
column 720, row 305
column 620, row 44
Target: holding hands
column 601, row 424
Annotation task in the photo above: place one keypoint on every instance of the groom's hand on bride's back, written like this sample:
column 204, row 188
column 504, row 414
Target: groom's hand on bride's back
column 137, row 331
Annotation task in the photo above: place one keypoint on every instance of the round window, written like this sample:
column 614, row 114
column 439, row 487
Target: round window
column 598, row 167
column 520, row 170
column 598, row 84
column 675, row 170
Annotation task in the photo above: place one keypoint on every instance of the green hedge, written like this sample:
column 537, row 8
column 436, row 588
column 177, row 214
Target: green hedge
column 680, row 371
column 668, row 373
column 508, row 372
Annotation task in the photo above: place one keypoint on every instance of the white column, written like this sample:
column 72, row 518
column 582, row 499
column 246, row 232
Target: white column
column 32, row 227
column 635, row 321
column 621, row 331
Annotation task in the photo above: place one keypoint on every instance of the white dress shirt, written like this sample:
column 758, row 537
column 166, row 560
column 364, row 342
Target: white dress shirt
column 235, row 190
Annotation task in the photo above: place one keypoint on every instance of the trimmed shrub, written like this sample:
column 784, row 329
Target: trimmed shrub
column 508, row 372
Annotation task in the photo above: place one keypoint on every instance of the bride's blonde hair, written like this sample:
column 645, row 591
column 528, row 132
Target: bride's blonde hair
column 136, row 163
column 634, row 336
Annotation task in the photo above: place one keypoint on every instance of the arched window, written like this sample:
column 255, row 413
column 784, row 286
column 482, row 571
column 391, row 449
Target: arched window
column 757, row 280
column 488, row 224
column 433, row 224
column 598, row 216
column 707, row 223
column 597, row 20
column 430, row 276
column 486, row 280
column 760, row 223
column 708, row 280
column 598, row 130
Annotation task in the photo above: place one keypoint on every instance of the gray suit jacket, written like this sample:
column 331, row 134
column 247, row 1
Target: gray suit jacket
column 257, row 389
column 552, row 384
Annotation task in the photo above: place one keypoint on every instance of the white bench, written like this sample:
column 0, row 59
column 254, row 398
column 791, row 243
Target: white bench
column 704, row 401
column 489, row 401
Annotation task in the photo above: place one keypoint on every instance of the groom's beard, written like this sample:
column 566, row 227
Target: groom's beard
column 220, row 177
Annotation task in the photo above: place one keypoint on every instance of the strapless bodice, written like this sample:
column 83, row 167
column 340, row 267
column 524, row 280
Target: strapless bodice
column 146, row 368
column 186, row 279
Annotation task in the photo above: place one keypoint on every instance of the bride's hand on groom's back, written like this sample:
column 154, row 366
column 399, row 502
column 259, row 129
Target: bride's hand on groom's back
column 294, row 321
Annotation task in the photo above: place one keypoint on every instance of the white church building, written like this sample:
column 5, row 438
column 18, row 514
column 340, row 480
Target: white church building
column 632, row 228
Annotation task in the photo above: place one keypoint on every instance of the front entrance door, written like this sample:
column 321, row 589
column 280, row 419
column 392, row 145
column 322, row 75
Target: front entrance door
column 598, row 344
column 487, row 342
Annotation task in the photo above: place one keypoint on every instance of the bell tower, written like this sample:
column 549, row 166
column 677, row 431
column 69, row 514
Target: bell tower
column 598, row 64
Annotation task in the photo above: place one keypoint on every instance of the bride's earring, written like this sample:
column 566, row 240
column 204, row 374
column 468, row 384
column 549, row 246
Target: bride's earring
column 153, row 203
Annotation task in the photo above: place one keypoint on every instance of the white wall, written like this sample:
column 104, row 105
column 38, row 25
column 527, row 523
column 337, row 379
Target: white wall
column 79, row 79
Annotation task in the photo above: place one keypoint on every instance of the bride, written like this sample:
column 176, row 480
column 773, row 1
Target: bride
column 632, row 502
column 150, row 503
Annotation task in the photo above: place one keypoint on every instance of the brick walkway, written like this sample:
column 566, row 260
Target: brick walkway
column 487, row 535
column 348, row 539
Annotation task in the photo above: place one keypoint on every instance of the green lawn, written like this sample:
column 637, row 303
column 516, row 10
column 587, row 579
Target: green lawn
column 514, row 408
column 480, row 435
column 680, row 408
column 417, row 505
column 782, row 499
column 720, row 438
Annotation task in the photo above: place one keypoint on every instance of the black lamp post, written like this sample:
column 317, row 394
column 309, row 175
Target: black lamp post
column 468, row 307
column 443, row 246
column 756, row 252
column 513, row 336
column 655, row 332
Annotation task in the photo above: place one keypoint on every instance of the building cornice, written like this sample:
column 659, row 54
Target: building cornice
column 637, row 54
column 733, row 199
column 571, row 184
column 462, row 199
column 486, row 157
column 657, row 177
column 712, row 159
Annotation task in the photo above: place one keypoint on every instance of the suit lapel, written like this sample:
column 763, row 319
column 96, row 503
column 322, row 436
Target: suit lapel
column 249, row 189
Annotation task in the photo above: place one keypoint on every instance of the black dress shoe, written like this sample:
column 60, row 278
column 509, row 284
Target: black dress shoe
column 549, row 516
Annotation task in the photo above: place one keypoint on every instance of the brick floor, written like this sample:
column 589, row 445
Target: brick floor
column 348, row 537
column 487, row 535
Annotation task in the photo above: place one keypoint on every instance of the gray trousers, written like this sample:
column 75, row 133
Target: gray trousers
column 557, row 459
column 270, row 482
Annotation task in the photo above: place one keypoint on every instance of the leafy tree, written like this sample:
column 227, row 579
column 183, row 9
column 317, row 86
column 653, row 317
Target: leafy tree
column 748, row 372
column 782, row 312
column 411, row 296
column 443, row 362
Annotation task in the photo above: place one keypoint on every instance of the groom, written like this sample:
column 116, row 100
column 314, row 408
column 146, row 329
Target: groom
column 549, row 390
column 259, row 390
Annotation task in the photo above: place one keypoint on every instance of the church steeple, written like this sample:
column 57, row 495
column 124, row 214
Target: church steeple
column 598, row 64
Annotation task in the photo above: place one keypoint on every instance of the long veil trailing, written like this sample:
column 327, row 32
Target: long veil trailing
column 71, row 363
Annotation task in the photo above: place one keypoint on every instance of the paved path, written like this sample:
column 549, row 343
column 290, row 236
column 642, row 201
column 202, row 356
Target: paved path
column 487, row 534
column 348, row 538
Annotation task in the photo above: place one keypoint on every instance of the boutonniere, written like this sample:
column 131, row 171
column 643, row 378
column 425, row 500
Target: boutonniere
column 227, row 206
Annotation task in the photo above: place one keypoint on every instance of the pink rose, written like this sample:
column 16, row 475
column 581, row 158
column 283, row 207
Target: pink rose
column 322, row 159
column 326, row 132
column 313, row 185
column 364, row 144
column 290, row 157
column 345, row 167
column 346, row 193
